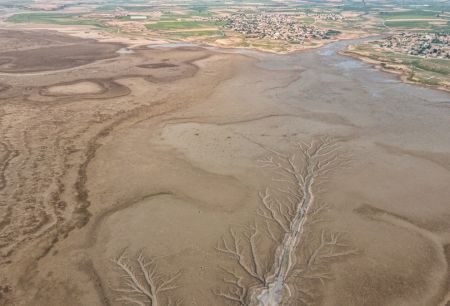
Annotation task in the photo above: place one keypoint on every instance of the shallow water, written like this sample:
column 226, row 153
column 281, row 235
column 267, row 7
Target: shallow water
column 125, row 51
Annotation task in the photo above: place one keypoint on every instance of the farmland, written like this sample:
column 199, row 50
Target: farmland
column 53, row 18
column 173, row 25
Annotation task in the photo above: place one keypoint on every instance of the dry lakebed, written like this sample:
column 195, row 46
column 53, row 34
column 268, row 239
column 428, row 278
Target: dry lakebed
column 188, row 175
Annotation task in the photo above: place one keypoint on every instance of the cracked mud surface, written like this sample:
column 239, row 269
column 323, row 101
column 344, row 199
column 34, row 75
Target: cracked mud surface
column 122, row 175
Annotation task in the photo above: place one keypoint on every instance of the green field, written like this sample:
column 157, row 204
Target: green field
column 307, row 20
column 53, row 18
column 130, row 8
column 168, row 16
column 418, row 24
column 429, row 71
column 106, row 8
column 409, row 24
column 400, row 20
column 210, row 33
column 417, row 14
column 173, row 25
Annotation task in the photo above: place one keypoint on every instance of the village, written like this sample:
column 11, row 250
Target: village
column 275, row 26
column 434, row 45
column 326, row 16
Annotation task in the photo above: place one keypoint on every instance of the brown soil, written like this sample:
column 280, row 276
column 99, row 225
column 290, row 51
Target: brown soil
column 171, row 165
column 158, row 65
column 25, row 52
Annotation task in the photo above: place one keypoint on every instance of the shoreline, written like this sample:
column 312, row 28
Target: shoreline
column 132, row 41
column 401, row 72
column 321, row 43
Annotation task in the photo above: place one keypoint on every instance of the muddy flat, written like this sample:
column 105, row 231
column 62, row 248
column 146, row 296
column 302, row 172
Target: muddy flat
column 202, row 176
column 33, row 52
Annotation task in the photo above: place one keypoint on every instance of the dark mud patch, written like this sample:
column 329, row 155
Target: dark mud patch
column 4, row 87
column 6, row 155
column 25, row 51
column 158, row 65
column 189, row 70
column 447, row 256
column 88, row 268
column 440, row 159
column 108, row 88
column 6, row 60
column 372, row 212
column 26, row 39
column 375, row 213
column 442, row 251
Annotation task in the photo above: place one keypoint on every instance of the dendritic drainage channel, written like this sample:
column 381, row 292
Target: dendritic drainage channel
column 267, row 269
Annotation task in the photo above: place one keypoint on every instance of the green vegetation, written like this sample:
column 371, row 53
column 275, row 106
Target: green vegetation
column 359, row 7
column 37, row 17
column 429, row 71
column 171, row 25
column 210, row 33
column 415, row 14
column 307, row 20
column 439, row 66
column 130, row 8
column 419, row 24
column 416, row 19
column 169, row 16
column 53, row 18
column 137, row 8
column 201, row 11
column 106, row 8
column 410, row 24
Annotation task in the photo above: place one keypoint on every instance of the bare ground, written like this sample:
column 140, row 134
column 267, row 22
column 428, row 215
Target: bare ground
column 127, row 193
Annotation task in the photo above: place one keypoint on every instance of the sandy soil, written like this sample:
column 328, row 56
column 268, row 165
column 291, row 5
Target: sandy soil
column 78, row 88
column 183, row 176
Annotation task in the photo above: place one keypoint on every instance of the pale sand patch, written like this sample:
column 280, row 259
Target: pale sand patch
column 84, row 87
column 229, row 41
